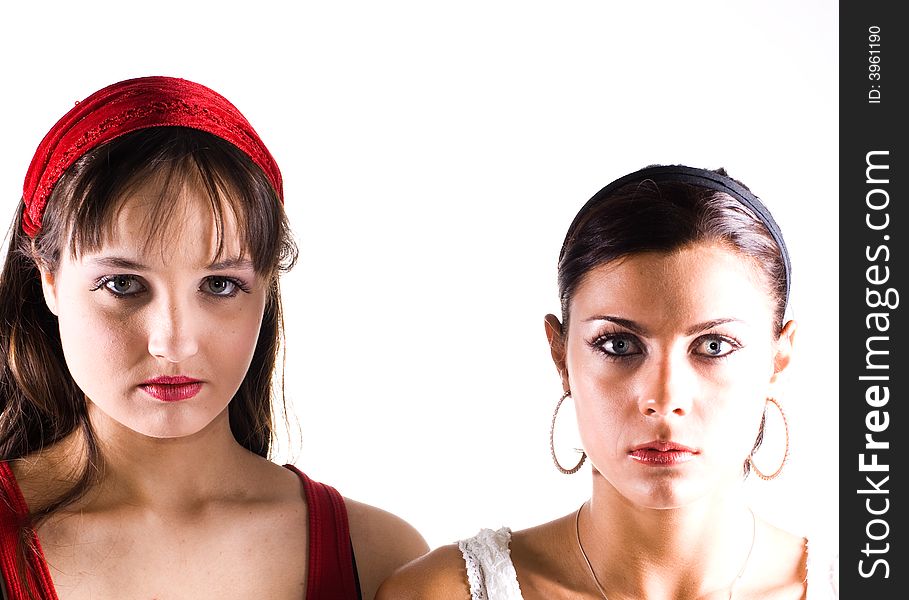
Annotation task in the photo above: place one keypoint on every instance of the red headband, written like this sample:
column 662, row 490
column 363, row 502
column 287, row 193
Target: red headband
column 128, row 106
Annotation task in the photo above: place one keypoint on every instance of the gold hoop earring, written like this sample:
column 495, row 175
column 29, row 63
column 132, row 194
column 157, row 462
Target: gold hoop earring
column 555, row 460
column 779, row 470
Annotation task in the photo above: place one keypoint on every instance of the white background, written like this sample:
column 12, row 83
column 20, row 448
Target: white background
column 433, row 156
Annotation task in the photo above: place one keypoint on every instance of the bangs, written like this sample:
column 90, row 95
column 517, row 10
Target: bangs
column 171, row 161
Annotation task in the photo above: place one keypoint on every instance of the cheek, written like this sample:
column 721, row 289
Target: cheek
column 597, row 381
column 736, row 415
column 100, row 347
column 232, row 337
column 747, row 379
column 242, row 337
column 731, row 413
column 603, row 395
column 602, row 423
column 89, row 332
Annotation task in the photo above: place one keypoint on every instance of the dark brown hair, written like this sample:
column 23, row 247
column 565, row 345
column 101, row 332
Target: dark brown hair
column 647, row 216
column 40, row 404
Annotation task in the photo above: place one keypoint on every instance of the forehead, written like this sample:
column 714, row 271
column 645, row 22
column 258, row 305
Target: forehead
column 156, row 218
column 697, row 282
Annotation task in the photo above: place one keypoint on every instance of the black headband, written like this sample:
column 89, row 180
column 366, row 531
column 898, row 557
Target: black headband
column 701, row 178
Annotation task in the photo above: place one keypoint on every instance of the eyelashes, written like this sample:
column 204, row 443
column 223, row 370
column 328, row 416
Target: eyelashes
column 124, row 287
column 717, row 346
column 618, row 346
column 623, row 346
column 120, row 286
column 223, row 287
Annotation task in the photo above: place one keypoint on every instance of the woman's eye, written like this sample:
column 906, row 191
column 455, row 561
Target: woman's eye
column 123, row 285
column 619, row 345
column 220, row 286
column 715, row 347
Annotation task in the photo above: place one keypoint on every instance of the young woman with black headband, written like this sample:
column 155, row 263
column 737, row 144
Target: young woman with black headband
column 673, row 337
column 140, row 328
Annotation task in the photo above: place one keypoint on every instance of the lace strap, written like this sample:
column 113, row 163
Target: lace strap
column 823, row 570
column 490, row 570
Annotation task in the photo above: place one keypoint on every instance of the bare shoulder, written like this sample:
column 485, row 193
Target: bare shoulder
column 791, row 550
column 543, row 553
column 440, row 575
column 375, row 529
column 782, row 562
column 382, row 543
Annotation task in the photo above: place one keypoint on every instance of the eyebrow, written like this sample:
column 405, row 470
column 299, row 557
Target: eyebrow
column 232, row 263
column 119, row 262
column 708, row 325
column 626, row 323
column 641, row 330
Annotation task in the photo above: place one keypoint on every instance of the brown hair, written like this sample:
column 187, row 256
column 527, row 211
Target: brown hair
column 40, row 404
column 663, row 216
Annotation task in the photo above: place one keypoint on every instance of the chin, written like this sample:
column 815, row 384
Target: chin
column 663, row 493
column 167, row 426
column 164, row 432
column 658, row 499
column 664, row 502
column 169, row 433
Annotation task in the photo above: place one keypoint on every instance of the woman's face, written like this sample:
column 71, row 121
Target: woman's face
column 669, row 358
column 159, row 337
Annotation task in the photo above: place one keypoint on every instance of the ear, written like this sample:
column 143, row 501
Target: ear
column 49, row 287
column 557, row 347
column 783, row 350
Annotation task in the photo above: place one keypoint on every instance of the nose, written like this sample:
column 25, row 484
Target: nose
column 668, row 389
column 172, row 332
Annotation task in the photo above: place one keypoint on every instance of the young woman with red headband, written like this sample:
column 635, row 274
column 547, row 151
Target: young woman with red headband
column 140, row 321
column 671, row 343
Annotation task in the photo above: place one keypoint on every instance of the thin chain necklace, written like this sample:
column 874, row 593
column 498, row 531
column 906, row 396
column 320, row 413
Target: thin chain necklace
column 577, row 533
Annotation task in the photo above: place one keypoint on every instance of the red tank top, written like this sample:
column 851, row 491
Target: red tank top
column 332, row 573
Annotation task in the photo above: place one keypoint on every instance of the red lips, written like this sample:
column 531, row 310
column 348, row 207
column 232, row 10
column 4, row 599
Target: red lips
column 171, row 388
column 662, row 454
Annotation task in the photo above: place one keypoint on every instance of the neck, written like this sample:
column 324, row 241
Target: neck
column 687, row 552
column 163, row 474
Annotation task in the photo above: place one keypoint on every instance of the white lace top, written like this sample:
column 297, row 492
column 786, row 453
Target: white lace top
column 491, row 573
